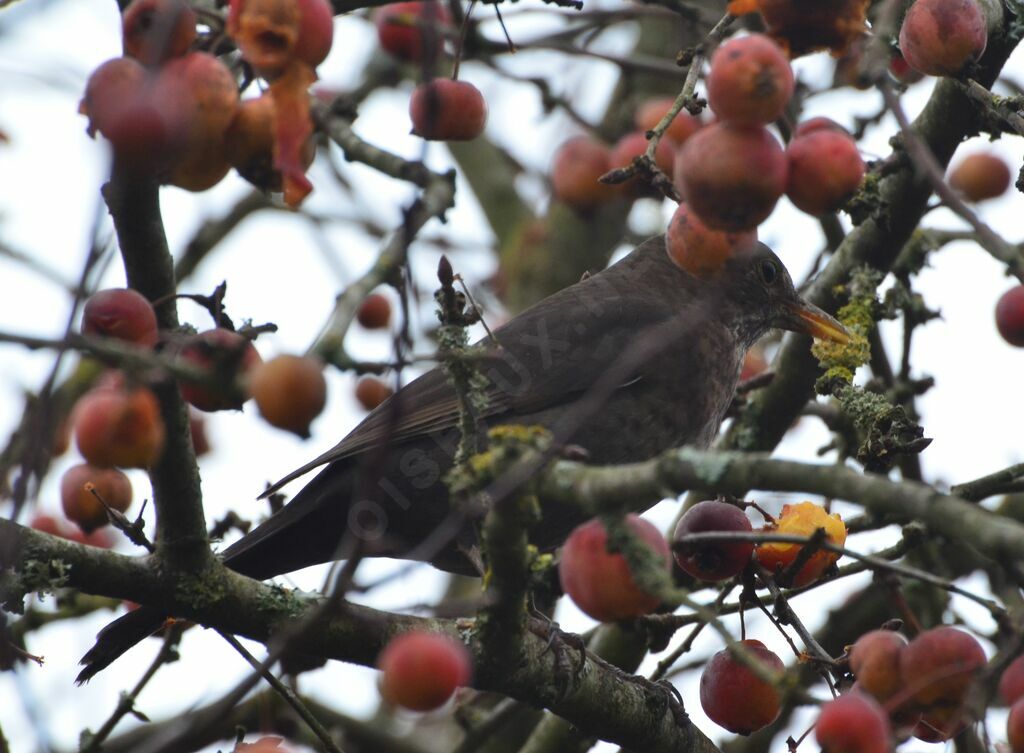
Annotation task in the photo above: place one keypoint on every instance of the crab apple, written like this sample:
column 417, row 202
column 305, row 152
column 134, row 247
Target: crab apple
column 420, row 671
column 1011, row 681
column 249, row 144
column 412, row 31
column 940, row 664
column 578, row 164
column 698, row 249
column 122, row 313
column 145, row 132
column 1010, row 316
column 119, row 427
column 600, row 582
column 290, row 391
column 156, row 30
column 201, row 90
column 49, row 524
column 731, row 176
column 634, row 144
column 818, row 123
column 980, row 176
column 714, row 560
column 750, row 81
column 682, row 127
column 374, row 312
column 446, row 110
column 229, row 357
column 734, row 697
column 1015, row 727
column 943, row 37
column 316, row 32
column 81, row 505
column 803, row 519
column 371, row 392
column 825, row 168
column 201, row 170
column 875, row 662
column 853, row 723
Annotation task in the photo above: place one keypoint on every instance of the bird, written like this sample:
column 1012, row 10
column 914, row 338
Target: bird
column 663, row 346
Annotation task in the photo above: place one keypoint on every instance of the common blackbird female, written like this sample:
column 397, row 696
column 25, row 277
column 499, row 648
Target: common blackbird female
column 658, row 348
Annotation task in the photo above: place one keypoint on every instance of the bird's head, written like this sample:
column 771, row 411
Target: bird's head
column 761, row 295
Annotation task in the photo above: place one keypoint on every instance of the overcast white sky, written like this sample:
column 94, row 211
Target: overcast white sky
column 50, row 173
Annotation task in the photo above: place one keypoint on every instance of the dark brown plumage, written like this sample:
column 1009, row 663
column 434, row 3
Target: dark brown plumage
column 663, row 347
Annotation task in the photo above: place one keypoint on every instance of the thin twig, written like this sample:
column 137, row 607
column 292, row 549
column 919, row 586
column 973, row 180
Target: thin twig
column 285, row 692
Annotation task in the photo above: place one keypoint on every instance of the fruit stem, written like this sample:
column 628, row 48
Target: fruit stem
column 462, row 40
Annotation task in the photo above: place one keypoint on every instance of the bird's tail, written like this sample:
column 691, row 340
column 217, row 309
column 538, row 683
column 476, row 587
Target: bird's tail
column 117, row 637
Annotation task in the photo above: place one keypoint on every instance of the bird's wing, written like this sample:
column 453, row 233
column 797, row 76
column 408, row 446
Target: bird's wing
column 544, row 357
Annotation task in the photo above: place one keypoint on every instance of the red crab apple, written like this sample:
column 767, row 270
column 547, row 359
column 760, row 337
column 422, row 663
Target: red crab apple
column 1015, row 727
column 682, row 127
column 941, row 663
column 44, row 523
column 715, row 560
column 818, row 123
column 122, row 313
column 577, row 166
column 145, row 132
column 412, row 31
column 1010, row 316
column 853, row 723
column 447, row 110
column 734, row 697
column 942, row 37
column 230, row 357
column 81, row 505
column 201, row 91
column 698, row 249
column 875, row 662
column 750, row 81
column 119, row 427
column 374, row 312
column 825, row 168
column 634, row 144
column 600, row 582
column 420, row 671
column 731, row 176
column 157, row 30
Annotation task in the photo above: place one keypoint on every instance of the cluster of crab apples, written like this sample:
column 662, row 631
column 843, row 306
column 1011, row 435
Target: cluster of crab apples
column 892, row 688
column 173, row 112
column 602, row 584
column 441, row 109
column 118, row 423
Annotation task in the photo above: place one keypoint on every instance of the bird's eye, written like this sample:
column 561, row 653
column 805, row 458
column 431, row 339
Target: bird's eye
column 769, row 271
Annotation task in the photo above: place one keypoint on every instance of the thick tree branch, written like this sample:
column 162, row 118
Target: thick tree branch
column 239, row 605
column 181, row 535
